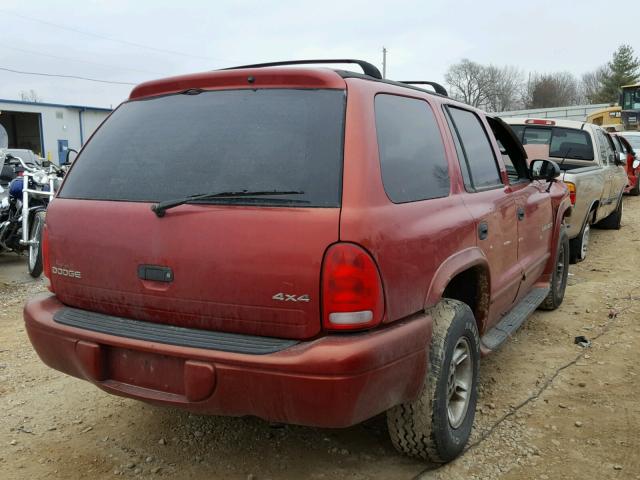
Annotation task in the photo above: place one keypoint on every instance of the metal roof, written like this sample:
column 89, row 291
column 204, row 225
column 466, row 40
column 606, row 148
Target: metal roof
column 58, row 105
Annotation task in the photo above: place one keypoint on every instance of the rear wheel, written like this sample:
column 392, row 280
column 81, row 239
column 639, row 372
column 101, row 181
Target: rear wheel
column 436, row 426
column 578, row 246
column 34, row 261
column 560, row 274
column 614, row 220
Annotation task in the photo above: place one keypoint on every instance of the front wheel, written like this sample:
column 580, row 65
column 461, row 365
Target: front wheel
column 437, row 426
column 35, row 248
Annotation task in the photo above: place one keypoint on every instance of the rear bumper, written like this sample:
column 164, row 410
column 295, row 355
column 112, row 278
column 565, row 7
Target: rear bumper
column 334, row 381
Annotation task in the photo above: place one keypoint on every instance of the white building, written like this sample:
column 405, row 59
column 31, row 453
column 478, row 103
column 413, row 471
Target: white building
column 48, row 128
column 574, row 112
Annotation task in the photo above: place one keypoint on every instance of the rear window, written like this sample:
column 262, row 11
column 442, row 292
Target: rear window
column 563, row 142
column 233, row 140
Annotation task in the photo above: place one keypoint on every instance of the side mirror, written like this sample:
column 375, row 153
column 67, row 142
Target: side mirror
column 68, row 160
column 547, row 170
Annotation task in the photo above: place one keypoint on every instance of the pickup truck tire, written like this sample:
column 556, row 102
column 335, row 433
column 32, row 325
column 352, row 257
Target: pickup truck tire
column 614, row 220
column 578, row 247
column 560, row 275
column 436, row 426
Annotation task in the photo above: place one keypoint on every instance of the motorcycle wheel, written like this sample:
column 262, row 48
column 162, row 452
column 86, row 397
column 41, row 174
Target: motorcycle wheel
column 35, row 248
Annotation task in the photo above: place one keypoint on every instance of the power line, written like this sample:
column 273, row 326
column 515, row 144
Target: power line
column 104, row 37
column 79, row 60
column 65, row 76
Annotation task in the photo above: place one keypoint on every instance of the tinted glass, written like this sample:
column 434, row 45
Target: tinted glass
column 562, row 142
column 412, row 158
column 477, row 149
column 571, row 143
column 178, row 145
column 536, row 136
column 464, row 168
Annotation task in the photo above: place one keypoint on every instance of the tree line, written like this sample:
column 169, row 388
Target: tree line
column 501, row 88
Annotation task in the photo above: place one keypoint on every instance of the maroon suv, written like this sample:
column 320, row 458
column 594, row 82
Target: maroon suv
column 306, row 245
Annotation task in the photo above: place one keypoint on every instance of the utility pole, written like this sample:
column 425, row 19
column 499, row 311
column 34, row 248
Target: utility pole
column 384, row 62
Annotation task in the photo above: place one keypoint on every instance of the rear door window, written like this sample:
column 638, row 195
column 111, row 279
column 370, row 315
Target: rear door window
column 478, row 153
column 217, row 141
column 412, row 157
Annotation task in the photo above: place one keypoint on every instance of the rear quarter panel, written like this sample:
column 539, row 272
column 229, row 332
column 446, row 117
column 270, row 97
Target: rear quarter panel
column 589, row 191
column 409, row 241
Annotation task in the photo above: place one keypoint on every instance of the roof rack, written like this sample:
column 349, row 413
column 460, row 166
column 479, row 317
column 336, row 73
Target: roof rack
column 367, row 67
column 436, row 86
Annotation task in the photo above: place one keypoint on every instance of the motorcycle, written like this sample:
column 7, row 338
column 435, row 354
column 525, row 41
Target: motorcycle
column 31, row 186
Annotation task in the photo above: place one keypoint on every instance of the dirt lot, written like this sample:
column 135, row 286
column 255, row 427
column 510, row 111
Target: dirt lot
column 549, row 409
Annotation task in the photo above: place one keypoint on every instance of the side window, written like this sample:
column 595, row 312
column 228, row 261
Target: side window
column 478, row 152
column 464, row 167
column 412, row 158
column 606, row 150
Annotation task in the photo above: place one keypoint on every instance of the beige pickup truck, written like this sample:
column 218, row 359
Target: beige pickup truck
column 590, row 167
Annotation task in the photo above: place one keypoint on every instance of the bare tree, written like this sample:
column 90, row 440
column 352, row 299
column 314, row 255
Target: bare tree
column 551, row 90
column 504, row 88
column 30, row 96
column 468, row 82
column 592, row 84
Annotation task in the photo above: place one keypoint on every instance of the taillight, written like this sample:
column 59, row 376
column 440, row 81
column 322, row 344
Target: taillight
column 572, row 192
column 46, row 263
column 352, row 296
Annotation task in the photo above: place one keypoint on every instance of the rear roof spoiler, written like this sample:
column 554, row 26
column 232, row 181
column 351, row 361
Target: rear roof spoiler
column 367, row 68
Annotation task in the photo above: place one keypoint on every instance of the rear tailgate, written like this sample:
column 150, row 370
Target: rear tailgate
column 243, row 265
column 227, row 262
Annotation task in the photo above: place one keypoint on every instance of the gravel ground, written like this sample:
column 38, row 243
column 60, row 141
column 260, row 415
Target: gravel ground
column 548, row 409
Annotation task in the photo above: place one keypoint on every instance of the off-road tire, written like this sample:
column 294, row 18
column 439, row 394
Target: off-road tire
column 422, row 428
column 34, row 265
column 614, row 220
column 576, row 245
column 558, row 279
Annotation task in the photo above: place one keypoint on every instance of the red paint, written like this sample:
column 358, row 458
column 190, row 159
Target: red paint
column 229, row 261
column 633, row 174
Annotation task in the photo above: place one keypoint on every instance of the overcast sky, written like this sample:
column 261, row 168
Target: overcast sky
column 422, row 37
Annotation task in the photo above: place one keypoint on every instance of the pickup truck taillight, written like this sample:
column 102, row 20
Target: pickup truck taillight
column 352, row 295
column 572, row 192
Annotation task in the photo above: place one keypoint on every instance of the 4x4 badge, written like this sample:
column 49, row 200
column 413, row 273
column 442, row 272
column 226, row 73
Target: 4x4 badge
column 285, row 297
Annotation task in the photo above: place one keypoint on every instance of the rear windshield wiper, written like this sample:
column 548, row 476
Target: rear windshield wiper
column 161, row 207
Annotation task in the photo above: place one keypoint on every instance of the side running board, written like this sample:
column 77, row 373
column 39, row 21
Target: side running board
column 514, row 319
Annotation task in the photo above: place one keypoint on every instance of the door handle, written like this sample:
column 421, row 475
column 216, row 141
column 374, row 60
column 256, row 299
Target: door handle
column 483, row 230
column 520, row 213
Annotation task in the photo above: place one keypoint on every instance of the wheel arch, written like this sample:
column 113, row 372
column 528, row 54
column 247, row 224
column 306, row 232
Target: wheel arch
column 464, row 276
column 564, row 209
